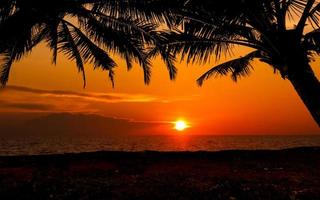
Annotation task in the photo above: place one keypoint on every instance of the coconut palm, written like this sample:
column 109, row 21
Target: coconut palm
column 216, row 27
column 86, row 31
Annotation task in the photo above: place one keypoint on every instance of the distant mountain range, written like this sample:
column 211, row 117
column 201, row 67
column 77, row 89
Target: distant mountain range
column 67, row 124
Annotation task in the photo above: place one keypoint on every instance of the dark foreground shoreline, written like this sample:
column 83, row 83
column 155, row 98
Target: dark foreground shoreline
column 259, row 174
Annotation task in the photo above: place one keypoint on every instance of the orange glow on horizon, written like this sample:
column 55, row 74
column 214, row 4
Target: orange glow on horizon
column 262, row 103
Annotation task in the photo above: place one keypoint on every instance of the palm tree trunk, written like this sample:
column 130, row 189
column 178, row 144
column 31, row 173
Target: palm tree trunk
column 308, row 87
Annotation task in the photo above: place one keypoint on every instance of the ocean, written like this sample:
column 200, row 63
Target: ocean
column 39, row 146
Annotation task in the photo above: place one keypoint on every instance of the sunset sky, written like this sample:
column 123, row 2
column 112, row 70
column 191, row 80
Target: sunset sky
column 263, row 103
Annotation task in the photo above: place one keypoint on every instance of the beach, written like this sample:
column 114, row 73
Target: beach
column 246, row 174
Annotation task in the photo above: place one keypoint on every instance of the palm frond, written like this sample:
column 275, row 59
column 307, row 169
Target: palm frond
column 90, row 52
column 314, row 16
column 196, row 49
column 126, row 44
column 312, row 41
column 7, row 8
column 19, row 48
column 155, row 11
column 238, row 68
column 68, row 46
column 125, row 27
column 167, row 56
column 52, row 39
column 305, row 15
column 6, row 63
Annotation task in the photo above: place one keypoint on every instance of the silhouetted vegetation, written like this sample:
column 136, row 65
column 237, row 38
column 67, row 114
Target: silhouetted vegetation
column 215, row 27
column 87, row 30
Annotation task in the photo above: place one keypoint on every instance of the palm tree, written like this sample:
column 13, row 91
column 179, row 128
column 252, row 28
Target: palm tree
column 84, row 30
column 212, row 28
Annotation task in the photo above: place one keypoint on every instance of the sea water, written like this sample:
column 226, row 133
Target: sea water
column 37, row 145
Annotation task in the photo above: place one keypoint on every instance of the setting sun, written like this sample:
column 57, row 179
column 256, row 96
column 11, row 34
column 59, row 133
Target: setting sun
column 180, row 125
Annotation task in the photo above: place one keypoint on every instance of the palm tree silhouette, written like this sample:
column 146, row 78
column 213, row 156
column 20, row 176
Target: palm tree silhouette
column 86, row 31
column 211, row 27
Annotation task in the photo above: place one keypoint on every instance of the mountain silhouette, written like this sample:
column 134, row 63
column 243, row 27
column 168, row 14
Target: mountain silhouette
column 68, row 124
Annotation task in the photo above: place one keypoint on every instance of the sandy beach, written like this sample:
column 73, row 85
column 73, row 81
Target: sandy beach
column 281, row 174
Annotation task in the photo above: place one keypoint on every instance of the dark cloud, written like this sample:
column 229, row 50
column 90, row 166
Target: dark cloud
column 104, row 97
column 56, row 92
column 27, row 106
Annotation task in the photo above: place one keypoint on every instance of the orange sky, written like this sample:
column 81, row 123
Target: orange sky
column 260, row 104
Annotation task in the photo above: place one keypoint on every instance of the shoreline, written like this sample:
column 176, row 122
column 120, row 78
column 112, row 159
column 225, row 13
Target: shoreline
column 153, row 152
column 233, row 174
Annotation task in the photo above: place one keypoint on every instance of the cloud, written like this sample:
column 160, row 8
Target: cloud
column 99, row 97
column 27, row 106
column 21, row 99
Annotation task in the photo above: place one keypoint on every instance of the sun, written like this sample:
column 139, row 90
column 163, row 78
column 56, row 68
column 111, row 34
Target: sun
column 180, row 125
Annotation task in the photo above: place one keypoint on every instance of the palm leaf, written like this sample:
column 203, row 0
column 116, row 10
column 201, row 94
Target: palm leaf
column 52, row 39
column 127, row 44
column 164, row 52
column 155, row 11
column 199, row 50
column 68, row 46
column 110, row 29
column 312, row 41
column 19, row 48
column 90, row 52
column 6, row 63
column 238, row 68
